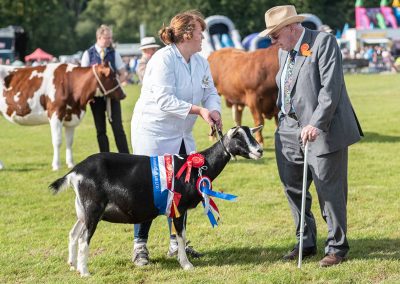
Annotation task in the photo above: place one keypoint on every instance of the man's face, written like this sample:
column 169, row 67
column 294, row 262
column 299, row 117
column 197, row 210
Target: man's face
column 149, row 51
column 105, row 39
column 284, row 38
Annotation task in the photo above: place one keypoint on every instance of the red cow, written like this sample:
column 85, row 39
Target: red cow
column 247, row 79
column 55, row 94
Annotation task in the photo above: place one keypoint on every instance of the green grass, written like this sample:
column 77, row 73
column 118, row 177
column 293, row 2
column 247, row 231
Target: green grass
column 256, row 231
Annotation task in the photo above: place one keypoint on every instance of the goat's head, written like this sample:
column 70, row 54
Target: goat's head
column 239, row 141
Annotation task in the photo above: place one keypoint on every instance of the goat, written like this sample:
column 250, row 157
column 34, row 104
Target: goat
column 117, row 188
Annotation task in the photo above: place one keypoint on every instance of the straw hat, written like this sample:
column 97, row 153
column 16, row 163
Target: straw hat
column 148, row 42
column 279, row 17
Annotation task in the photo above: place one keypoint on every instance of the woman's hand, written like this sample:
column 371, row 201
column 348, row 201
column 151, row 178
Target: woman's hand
column 210, row 117
column 216, row 117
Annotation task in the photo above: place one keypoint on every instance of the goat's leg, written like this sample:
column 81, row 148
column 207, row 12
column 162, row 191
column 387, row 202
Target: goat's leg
column 74, row 234
column 93, row 213
column 69, row 139
column 83, row 253
column 56, row 136
column 181, row 238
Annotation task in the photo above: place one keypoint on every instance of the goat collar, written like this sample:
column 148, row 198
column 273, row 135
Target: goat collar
column 219, row 136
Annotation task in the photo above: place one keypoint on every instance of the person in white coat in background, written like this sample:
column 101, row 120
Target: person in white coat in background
column 177, row 88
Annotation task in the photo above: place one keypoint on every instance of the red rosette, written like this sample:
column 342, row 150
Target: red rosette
column 197, row 160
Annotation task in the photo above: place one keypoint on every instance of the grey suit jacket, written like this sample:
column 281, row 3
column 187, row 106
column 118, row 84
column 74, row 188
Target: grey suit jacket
column 319, row 95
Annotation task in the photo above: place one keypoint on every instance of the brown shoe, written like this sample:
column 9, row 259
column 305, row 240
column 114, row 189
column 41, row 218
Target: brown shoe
column 294, row 254
column 330, row 260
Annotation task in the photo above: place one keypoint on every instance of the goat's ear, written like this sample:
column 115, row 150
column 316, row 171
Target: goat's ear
column 255, row 129
column 232, row 131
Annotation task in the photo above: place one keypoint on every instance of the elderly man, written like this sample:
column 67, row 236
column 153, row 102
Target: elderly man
column 148, row 46
column 314, row 108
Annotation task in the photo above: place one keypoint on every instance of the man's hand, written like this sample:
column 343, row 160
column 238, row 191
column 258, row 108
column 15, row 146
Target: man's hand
column 309, row 133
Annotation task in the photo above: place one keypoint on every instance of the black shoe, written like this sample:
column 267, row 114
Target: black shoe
column 294, row 254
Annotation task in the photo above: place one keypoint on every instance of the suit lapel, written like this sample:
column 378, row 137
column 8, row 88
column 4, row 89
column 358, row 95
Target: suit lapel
column 300, row 58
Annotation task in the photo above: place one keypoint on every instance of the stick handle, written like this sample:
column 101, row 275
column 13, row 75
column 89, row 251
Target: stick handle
column 303, row 203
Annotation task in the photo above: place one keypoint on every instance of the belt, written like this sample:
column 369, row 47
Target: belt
column 293, row 116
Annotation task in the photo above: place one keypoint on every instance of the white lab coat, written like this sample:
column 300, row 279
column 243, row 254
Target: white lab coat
column 161, row 118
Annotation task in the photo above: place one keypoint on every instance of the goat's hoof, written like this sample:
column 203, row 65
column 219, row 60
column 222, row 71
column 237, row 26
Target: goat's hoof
column 56, row 168
column 187, row 266
column 71, row 267
column 84, row 273
column 70, row 165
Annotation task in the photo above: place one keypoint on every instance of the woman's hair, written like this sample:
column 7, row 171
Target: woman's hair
column 180, row 26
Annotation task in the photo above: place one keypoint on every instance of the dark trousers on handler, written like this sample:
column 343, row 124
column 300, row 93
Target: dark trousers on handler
column 99, row 115
column 329, row 173
column 141, row 231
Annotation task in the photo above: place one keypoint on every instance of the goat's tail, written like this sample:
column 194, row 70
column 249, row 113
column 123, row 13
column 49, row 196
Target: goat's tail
column 60, row 184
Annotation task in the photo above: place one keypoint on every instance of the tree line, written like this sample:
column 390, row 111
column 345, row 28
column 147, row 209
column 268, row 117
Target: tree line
column 66, row 26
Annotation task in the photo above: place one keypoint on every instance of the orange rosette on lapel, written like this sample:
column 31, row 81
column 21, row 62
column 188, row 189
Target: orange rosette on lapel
column 305, row 50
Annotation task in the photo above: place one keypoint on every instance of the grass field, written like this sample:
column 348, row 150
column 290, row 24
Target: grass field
column 256, row 231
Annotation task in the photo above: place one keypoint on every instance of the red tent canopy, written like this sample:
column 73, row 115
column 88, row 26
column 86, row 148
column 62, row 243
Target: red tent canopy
column 39, row 54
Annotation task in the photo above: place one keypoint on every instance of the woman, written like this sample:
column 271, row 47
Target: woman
column 176, row 81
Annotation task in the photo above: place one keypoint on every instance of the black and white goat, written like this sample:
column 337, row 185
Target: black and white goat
column 118, row 188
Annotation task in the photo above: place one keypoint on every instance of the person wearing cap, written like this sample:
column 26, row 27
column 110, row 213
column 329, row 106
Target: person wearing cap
column 102, row 52
column 148, row 46
column 314, row 108
column 177, row 88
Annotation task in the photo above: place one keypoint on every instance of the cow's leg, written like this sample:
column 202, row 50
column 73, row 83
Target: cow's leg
column 257, row 114
column 56, row 136
column 74, row 235
column 181, row 238
column 237, row 112
column 69, row 139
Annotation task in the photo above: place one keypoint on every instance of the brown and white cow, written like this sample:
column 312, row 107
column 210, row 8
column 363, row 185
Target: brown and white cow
column 247, row 79
column 56, row 94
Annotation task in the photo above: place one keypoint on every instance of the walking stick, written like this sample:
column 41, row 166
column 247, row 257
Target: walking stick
column 303, row 203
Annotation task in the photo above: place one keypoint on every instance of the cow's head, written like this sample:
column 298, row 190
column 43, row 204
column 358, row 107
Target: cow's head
column 108, row 81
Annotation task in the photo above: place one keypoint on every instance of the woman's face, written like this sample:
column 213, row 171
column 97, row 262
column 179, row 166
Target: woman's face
column 196, row 40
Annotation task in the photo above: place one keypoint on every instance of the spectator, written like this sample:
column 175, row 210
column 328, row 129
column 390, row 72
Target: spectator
column 148, row 46
column 101, row 52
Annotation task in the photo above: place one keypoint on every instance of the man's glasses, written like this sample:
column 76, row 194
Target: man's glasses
column 275, row 36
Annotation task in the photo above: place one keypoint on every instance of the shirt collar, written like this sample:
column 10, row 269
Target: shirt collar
column 297, row 46
column 98, row 48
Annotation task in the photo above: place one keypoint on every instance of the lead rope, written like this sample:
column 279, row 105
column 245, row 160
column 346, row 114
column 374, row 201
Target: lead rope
column 104, row 91
column 219, row 136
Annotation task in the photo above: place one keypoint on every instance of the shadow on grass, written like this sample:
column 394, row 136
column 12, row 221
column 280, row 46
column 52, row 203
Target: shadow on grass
column 369, row 248
column 376, row 137
column 361, row 249
column 26, row 167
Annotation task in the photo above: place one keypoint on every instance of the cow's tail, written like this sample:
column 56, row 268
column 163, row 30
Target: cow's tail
column 62, row 184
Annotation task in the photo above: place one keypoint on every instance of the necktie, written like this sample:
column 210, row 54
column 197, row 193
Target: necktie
column 288, row 81
column 102, row 54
